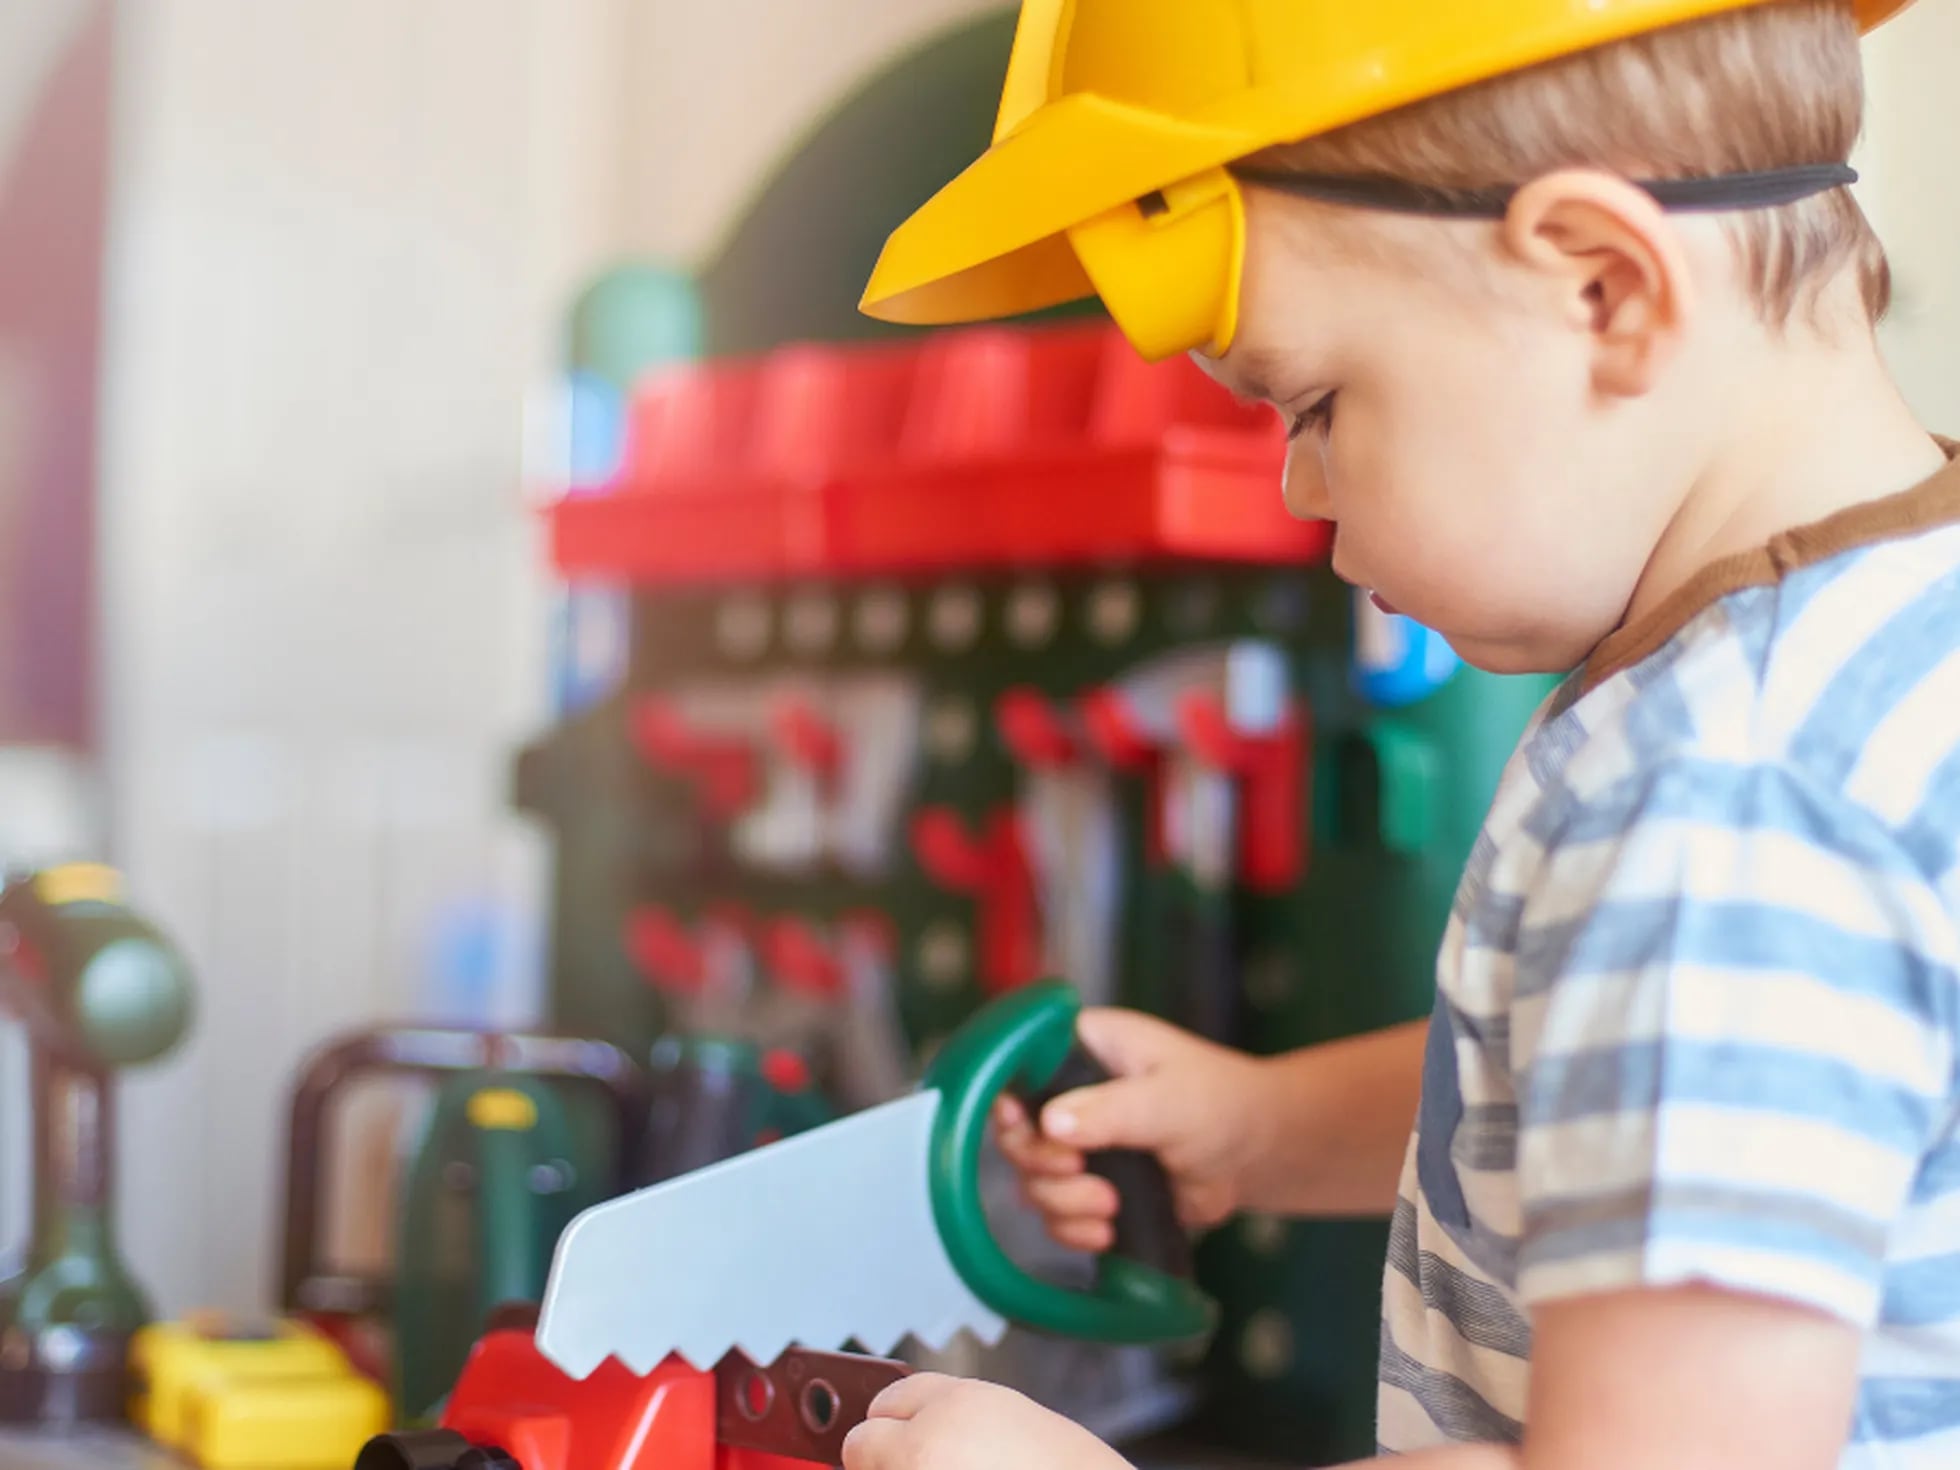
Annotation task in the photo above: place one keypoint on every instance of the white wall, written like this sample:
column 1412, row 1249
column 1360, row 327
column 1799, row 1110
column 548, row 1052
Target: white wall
column 344, row 235
column 722, row 89
column 1913, row 194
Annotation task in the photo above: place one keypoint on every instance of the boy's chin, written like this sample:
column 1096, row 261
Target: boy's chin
column 1496, row 655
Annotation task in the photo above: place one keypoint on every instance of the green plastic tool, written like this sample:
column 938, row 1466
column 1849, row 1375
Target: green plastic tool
column 500, row 1171
column 98, row 989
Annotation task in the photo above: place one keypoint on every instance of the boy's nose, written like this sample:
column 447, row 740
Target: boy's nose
column 1304, row 482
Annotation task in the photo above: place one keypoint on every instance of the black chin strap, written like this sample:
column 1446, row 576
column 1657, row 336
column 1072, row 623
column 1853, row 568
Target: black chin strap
column 1724, row 192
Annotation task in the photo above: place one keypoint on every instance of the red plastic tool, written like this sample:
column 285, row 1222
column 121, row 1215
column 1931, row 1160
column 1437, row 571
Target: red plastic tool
column 1033, row 729
column 727, row 771
column 1272, row 770
column 808, row 739
column 994, row 869
column 512, row 1410
column 665, row 953
column 802, row 960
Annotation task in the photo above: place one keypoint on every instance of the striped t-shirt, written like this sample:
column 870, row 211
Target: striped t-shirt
column 1700, row 993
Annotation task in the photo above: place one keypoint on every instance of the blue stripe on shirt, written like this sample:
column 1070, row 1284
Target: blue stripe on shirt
column 1863, row 693
column 1765, row 1221
column 1920, row 1293
column 1639, row 1078
column 1617, row 938
column 1729, row 797
column 1894, row 1410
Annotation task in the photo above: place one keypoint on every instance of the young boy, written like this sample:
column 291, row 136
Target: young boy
column 1571, row 313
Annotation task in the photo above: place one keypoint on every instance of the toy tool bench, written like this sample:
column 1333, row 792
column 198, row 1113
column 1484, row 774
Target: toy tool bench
column 948, row 664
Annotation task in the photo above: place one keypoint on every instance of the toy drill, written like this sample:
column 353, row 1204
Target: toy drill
column 501, row 1168
column 97, row 989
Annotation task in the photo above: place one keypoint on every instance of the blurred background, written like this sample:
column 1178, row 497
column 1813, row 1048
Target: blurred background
column 289, row 295
column 281, row 288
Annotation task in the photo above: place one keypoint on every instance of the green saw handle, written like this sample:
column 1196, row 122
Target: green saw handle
column 1022, row 1044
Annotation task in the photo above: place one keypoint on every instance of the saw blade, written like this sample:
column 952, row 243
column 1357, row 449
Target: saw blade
column 822, row 1239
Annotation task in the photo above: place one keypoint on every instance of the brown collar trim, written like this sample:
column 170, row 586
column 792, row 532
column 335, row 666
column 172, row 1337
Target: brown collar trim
column 1925, row 507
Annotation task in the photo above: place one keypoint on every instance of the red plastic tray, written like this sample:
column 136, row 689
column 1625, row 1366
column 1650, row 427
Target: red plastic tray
column 965, row 450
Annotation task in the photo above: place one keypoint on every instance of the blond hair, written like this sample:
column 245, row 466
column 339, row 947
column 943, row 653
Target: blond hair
column 1769, row 86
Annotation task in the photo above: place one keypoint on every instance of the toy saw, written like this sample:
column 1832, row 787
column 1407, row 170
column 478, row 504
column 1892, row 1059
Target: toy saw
column 868, row 1231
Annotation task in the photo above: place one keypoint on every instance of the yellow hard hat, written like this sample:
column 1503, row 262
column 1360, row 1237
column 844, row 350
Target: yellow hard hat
column 1108, row 171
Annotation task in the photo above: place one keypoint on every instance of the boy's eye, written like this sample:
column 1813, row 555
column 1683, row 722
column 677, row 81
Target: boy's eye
column 1317, row 418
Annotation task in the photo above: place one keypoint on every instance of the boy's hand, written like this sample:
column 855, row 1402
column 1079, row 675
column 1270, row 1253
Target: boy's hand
column 1200, row 1108
column 928, row 1422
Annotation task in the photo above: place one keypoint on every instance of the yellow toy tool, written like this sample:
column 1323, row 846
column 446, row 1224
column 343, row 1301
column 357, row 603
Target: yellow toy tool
column 282, row 1397
column 1111, row 168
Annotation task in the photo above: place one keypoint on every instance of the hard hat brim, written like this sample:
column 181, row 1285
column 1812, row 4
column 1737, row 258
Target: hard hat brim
column 993, row 243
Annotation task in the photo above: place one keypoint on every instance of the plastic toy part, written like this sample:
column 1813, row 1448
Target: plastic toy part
column 513, row 1411
column 714, row 1097
column 1119, row 739
column 1408, row 786
column 802, row 960
column 802, row 1406
column 992, row 868
column 1270, row 767
column 595, row 429
column 869, row 934
column 726, row 771
column 228, row 1397
column 1397, row 661
column 806, row 737
column 499, row 1170
column 1272, row 770
column 827, row 1237
column 1058, row 447
column 662, row 949
column 1024, row 1043
column 633, row 316
column 510, row 1399
column 1035, row 730
column 432, row 1055
column 95, row 989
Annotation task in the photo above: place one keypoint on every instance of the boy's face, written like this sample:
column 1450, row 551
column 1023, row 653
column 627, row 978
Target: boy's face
column 1449, row 418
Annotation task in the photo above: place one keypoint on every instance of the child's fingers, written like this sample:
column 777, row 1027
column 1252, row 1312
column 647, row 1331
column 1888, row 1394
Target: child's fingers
column 1092, row 1237
column 907, row 1397
column 874, row 1445
column 1131, row 1112
column 1028, row 1151
column 1083, row 1197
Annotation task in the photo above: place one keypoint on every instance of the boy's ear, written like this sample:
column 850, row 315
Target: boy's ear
column 1616, row 264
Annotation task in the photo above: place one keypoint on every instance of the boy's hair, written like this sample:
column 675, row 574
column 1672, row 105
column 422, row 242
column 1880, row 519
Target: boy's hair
column 1768, row 86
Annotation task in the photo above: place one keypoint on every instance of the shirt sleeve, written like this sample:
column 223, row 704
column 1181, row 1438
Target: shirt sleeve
column 1733, row 1042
